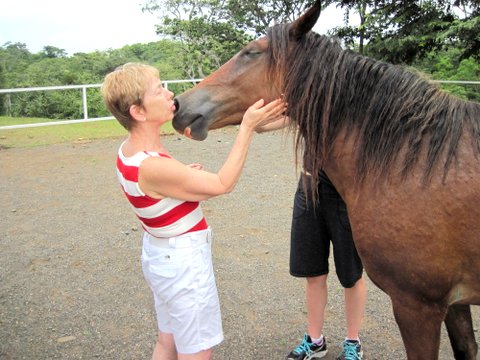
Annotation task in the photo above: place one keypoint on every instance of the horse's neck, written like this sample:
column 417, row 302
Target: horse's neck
column 340, row 165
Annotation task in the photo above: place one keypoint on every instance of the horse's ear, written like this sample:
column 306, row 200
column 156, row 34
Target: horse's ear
column 305, row 23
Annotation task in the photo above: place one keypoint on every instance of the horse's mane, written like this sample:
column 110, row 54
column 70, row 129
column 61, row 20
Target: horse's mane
column 329, row 89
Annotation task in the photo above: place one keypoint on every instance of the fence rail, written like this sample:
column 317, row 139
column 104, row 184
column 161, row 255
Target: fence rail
column 85, row 100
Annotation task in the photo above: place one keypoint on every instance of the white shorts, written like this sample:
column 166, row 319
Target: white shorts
column 180, row 273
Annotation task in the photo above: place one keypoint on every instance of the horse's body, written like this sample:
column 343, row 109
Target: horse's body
column 404, row 155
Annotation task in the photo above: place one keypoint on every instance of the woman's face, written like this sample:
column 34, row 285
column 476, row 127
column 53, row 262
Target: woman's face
column 158, row 102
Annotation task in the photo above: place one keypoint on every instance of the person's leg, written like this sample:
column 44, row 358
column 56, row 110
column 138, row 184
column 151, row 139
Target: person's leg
column 165, row 347
column 309, row 251
column 197, row 320
column 191, row 323
column 355, row 300
column 349, row 270
column 202, row 355
column 316, row 299
column 165, row 350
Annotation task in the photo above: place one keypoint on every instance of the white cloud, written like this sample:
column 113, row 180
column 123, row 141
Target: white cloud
column 79, row 26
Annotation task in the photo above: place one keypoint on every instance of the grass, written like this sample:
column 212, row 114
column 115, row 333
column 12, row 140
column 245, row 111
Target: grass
column 54, row 134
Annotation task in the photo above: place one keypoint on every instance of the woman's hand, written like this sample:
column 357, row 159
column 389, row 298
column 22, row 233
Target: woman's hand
column 258, row 115
column 282, row 122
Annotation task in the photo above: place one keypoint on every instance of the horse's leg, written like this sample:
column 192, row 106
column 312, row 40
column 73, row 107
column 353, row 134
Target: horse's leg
column 419, row 326
column 460, row 331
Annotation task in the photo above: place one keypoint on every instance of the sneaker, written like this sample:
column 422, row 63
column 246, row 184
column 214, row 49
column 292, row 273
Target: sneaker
column 352, row 350
column 308, row 350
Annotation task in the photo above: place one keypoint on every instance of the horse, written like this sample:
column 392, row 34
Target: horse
column 403, row 154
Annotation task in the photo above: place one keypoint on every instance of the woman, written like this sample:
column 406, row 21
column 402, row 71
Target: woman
column 165, row 195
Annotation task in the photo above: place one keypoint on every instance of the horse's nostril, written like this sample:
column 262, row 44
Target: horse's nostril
column 177, row 104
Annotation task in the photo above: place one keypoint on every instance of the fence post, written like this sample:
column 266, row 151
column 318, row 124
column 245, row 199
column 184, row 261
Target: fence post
column 84, row 102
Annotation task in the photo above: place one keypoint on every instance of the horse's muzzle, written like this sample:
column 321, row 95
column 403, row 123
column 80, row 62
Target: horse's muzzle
column 177, row 105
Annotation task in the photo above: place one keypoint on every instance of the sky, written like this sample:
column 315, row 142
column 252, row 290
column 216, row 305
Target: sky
column 90, row 25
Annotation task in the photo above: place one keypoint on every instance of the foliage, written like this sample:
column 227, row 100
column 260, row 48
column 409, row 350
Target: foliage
column 445, row 65
column 205, row 45
column 212, row 31
column 21, row 69
column 206, row 36
column 255, row 16
column 402, row 31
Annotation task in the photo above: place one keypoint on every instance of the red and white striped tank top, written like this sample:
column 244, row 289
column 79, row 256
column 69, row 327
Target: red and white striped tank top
column 161, row 218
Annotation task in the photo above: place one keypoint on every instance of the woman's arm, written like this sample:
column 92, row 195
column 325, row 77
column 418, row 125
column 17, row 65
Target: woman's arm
column 163, row 177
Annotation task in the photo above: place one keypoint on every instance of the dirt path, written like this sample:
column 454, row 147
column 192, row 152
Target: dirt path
column 71, row 285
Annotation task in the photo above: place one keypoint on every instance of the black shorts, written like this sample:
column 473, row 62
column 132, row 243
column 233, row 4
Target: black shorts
column 313, row 228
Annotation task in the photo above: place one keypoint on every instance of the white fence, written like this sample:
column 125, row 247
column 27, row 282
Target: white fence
column 85, row 100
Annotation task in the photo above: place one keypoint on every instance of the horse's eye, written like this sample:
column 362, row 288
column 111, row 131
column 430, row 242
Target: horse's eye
column 252, row 53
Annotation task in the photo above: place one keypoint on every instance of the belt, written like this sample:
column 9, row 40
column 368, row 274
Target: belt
column 187, row 240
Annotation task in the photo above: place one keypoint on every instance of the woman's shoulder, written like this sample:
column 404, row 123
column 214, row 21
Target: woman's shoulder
column 128, row 153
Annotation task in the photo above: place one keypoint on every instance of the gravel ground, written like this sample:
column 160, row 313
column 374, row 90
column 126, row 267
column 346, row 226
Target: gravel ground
column 71, row 285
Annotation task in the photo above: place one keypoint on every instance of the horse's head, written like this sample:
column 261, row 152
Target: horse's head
column 222, row 98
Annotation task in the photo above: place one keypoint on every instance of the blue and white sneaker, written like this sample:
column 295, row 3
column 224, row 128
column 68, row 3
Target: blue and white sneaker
column 352, row 350
column 307, row 350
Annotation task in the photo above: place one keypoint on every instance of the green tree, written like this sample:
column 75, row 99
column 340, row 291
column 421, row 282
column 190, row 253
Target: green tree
column 447, row 65
column 255, row 16
column 20, row 68
column 212, row 31
column 14, row 60
column 53, row 52
column 401, row 31
column 207, row 39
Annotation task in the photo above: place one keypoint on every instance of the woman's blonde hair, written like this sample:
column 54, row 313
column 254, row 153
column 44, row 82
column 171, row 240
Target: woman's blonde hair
column 126, row 86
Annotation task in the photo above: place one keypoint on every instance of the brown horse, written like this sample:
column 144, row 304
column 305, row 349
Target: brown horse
column 404, row 155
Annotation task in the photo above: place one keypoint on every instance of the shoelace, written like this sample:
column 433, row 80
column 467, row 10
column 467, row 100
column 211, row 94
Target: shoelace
column 350, row 351
column 303, row 347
